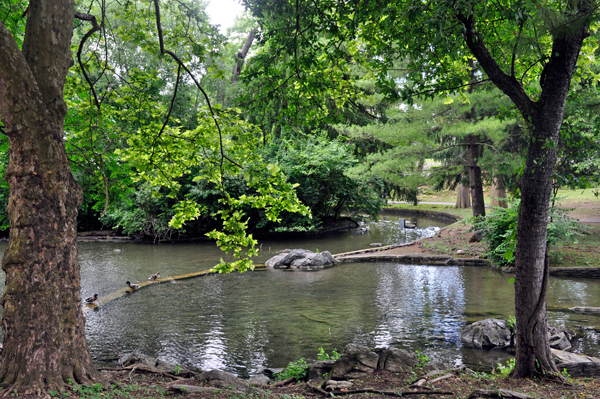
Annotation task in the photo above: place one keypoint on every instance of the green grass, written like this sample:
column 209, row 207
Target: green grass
column 574, row 196
column 584, row 253
column 463, row 213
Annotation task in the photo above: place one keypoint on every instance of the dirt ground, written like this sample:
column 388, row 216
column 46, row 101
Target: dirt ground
column 380, row 384
column 454, row 240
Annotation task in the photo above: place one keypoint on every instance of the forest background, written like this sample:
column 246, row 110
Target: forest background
column 348, row 155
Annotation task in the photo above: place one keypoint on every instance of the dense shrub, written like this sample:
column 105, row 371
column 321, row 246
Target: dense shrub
column 318, row 165
column 500, row 231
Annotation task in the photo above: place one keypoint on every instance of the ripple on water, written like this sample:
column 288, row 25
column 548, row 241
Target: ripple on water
column 243, row 323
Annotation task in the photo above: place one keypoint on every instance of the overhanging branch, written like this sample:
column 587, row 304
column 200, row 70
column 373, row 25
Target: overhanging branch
column 191, row 75
column 508, row 84
column 95, row 28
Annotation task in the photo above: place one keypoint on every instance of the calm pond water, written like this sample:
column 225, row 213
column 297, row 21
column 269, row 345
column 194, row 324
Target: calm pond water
column 243, row 323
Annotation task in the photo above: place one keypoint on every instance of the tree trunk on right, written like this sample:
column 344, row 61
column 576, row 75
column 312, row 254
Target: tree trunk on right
column 543, row 118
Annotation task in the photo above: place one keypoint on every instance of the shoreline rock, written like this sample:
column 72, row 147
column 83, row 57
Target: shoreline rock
column 497, row 333
column 302, row 259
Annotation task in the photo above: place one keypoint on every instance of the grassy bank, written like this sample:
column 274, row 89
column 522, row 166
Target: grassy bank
column 584, row 252
column 462, row 213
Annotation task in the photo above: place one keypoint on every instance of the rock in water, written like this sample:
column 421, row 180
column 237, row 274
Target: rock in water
column 301, row 259
column 486, row 333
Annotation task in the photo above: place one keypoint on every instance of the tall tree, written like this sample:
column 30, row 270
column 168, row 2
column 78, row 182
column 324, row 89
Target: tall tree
column 44, row 337
column 528, row 49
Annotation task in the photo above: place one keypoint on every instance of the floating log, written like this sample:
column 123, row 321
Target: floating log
column 584, row 309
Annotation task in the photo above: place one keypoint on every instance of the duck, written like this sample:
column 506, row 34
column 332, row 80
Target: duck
column 154, row 277
column 92, row 299
column 172, row 280
column 132, row 286
column 118, row 249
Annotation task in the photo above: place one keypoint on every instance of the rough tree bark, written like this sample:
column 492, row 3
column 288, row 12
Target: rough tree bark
column 44, row 337
column 544, row 118
column 475, row 182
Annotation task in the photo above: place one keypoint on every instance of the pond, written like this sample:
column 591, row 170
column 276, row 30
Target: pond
column 243, row 323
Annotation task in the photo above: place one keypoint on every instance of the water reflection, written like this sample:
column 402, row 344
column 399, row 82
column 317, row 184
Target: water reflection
column 243, row 323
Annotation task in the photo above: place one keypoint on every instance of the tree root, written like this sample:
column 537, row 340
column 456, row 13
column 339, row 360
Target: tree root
column 141, row 367
column 284, row 382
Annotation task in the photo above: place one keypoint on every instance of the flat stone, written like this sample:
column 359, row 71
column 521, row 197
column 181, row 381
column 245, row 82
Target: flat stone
column 582, row 369
column 568, row 357
column 396, row 360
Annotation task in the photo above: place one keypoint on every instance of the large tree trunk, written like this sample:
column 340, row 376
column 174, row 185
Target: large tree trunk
column 475, row 182
column 531, row 265
column 544, row 118
column 44, row 336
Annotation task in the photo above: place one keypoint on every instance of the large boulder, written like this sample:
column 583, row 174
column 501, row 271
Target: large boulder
column 576, row 365
column 486, row 333
column 495, row 333
column 396, row 360
column 357, row 361
column 560, row 337
column 301, row 259
column 275, row 261
column 568, row 357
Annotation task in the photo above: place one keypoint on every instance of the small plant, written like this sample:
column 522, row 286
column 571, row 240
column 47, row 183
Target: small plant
column 423, row 359
column 511, row 323
column 297, row 370
column 566, row 374
column 505, row 370
column 177, row 369
column 324, row 356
